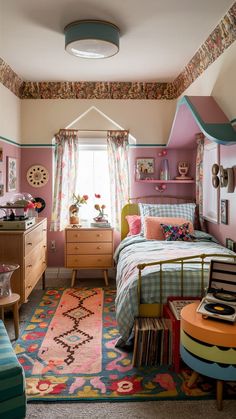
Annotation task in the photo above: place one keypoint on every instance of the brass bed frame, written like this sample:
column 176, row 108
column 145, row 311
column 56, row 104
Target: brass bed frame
column 131, row 208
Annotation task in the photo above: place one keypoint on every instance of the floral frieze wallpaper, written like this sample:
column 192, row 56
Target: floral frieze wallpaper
column 218, row 41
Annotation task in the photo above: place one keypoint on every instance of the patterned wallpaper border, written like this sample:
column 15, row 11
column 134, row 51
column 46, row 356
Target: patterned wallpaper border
column 218, row 41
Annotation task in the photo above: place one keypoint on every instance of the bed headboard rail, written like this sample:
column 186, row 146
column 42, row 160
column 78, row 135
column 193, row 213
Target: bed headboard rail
column 131, row 208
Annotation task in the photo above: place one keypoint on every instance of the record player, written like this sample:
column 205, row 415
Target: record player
column 15, row 218
column 220, row 300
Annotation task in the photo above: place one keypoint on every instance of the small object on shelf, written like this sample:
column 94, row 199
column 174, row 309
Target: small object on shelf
column 144, row 167
column 164, row 171
column 160, row 188
column 183, row 168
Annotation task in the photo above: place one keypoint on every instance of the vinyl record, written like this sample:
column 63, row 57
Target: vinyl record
column 225, row 296
column 219, row 308
column 39, row 204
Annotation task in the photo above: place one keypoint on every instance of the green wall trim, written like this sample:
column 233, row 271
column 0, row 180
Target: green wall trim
column 146, row 145
column 8, row 140
column 37, row 145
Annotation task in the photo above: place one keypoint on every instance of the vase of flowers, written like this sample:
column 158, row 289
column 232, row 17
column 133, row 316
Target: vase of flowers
column 101, row 217
column 74, row 208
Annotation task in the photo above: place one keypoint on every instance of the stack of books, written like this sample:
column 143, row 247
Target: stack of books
column 152, row 342
column 102, row 224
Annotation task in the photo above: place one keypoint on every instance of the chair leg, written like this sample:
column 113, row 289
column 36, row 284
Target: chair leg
column 219, row 394
column 16, row 319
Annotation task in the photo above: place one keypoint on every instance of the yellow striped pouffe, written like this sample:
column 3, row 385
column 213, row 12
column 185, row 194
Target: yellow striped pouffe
column 208, row 347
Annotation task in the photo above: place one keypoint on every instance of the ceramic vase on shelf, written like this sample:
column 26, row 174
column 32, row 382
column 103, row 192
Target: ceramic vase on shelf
column 164, row 170
column 74, row 214
column 6, row 272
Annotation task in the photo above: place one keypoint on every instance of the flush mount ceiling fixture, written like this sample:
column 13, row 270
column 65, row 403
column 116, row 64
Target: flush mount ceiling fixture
column 92, row 39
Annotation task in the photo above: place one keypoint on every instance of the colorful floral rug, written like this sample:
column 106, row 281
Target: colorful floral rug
column 68, row 353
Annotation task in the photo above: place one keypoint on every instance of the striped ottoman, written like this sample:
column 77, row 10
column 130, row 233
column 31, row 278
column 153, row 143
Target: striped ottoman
column 208, row 347
column 12, row 381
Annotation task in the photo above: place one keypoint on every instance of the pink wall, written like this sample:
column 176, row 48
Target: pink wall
column 222, row 231
column 44, row 156
column 28, row 156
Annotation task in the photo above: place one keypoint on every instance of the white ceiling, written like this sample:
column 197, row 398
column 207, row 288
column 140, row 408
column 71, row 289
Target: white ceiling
column 158, row 37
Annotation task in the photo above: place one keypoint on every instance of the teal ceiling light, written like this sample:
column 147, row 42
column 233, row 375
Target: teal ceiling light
column 92, row 39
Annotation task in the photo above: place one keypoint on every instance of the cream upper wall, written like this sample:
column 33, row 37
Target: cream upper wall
column 10, row 115
column 148, row 121
column 219, row 81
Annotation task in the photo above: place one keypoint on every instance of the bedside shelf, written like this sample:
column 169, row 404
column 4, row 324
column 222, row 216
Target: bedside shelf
column 166, row 181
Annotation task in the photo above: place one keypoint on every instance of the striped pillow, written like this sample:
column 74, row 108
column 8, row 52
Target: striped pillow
column 186, row 211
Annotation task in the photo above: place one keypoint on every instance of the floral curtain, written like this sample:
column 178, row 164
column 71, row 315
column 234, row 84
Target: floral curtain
column 118, row 145
column 199, row 175
column 66, row 168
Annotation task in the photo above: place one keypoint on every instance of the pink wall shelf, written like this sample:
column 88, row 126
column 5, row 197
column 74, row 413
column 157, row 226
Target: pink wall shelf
column 165, row 181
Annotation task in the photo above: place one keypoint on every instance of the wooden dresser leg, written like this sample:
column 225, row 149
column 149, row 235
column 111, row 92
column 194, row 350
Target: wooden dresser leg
column 219, row 394
column 193, row 379
column 106, row 277
column 74, row 272
column 16, row 319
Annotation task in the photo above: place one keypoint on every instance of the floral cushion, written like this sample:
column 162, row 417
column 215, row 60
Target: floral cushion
column 176, row 232
column 154, row 231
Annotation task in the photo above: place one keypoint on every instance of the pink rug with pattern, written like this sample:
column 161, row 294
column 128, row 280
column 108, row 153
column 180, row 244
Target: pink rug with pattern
column 73, row 341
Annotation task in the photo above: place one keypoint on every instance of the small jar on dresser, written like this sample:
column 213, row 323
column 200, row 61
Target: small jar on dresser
column 89, row 248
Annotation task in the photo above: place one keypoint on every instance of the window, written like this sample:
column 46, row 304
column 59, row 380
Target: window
column 93, row 177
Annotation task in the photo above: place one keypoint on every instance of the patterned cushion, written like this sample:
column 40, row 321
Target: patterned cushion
column 153, row 226
column 186, row 211
column 176, row 232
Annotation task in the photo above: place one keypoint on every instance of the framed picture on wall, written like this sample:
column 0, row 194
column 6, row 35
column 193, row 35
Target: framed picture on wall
column 1, row 154
column 224, row 211
column 145, row 166
column 230, row 244
column 11, row 174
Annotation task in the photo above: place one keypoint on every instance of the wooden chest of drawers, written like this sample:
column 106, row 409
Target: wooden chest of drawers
column 28, row 248
column 89, row 248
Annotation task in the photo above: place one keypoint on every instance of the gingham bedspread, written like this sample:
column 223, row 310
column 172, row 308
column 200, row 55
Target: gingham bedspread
column 135, row 250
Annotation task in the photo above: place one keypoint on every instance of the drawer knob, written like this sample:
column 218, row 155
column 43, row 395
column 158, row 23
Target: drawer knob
column 99, row 260
column 29, row 244
column 29, row 266
column 99, row 235
column 98, row 247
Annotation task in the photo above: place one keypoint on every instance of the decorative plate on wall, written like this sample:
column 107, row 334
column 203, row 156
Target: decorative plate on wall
column 39, row 204
column 37, row 176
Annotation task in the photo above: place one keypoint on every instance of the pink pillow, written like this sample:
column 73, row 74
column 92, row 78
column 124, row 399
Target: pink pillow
column 134, row 222
column 154, row 231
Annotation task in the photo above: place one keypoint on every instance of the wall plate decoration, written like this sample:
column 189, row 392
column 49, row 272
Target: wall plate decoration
column 37, row 176
column 39, row 204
